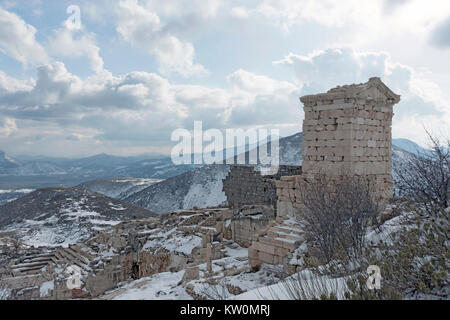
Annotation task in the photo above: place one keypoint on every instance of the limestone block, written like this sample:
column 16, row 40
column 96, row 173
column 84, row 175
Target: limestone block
column 191, row 273
column 285, row 209
column 261, row 247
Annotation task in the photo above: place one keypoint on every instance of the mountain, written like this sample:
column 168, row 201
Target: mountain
column 7, row 162
column 11, row 195
column 60, row 172
column 60, row 216
column 45, row 172
column 117, row 188
column 201, row 188
column 408, row 145
column 290, row 149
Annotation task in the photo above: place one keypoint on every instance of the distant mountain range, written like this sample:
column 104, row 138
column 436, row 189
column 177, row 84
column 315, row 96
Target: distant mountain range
column 43, row 172
column 202, row 187
column 62, row 216
column 156, row 184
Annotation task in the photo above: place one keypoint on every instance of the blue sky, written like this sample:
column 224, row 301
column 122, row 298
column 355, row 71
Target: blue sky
column 137, row 70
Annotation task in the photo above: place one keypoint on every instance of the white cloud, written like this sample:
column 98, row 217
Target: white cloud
column 142, row 108
column 240, row 13
column 17, row 40
column 362, row 22
column 10, row 84
column 142, row 27
column 176, row 55
column 75, row 43
column 7, row 126
column 287, row 13
column 422, row 104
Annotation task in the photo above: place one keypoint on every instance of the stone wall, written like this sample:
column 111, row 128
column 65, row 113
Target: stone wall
column 249, row 221
column 245, row 186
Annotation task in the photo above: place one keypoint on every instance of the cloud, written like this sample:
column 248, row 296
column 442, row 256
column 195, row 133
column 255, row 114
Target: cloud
column 140, row 108
column 422, row 102
column 287, row 13
column 141, row 27
column 10, row 84
column 322, row 69
column 75, row 43
column 17, row 40
column 440, row 35
column 390, row 5
column 7, row 126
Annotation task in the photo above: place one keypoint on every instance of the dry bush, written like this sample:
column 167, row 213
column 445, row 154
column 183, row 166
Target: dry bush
column 336, row 215
column 425, row 176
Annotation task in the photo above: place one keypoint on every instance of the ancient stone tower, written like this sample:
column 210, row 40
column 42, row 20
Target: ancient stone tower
column 346, row 132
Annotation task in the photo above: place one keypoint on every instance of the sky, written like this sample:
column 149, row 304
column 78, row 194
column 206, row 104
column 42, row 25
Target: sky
column 126, row 74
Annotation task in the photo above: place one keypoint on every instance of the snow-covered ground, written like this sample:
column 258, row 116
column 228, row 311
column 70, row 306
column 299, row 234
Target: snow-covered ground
column 161, row 286
column 60, row 217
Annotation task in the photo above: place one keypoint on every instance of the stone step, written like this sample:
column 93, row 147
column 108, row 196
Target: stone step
column 45, row 254
column 28, row 265
column 59, row 257
column 275, row 234
column 69, row 258
column 76, row 254
column 263, row 247
column 269, row 258
column 278, row 242
column 79, row 248
column 287, row 229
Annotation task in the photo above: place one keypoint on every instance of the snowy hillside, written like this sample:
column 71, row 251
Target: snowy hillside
column 117, row 188
column 408, row 145
column 59, row 217
column 201, row 187
column 11, row 195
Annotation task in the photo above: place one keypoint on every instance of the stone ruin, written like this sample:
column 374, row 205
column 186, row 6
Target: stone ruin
column 346, row 132
column 253, row 198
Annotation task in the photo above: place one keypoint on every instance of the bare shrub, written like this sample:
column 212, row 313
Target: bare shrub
column 336, row 215
column 215, row 289
column 425, row 176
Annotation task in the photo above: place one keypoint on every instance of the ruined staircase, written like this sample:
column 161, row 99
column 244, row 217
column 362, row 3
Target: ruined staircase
column 31, row 264
column 272, row 244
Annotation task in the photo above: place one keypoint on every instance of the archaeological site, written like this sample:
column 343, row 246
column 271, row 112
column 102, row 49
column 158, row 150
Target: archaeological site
column 346, row 133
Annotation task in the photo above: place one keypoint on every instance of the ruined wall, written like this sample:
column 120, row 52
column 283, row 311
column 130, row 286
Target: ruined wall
column 245, row 186
column 249, row 221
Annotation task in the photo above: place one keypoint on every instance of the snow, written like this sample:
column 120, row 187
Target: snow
column 178, row 244
column 16, row 191
column 205, row 195
column 46, row 287
column 104, row 222
column 281, row 290
column 161, row 286
column 82, row 213
column 387, row 229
